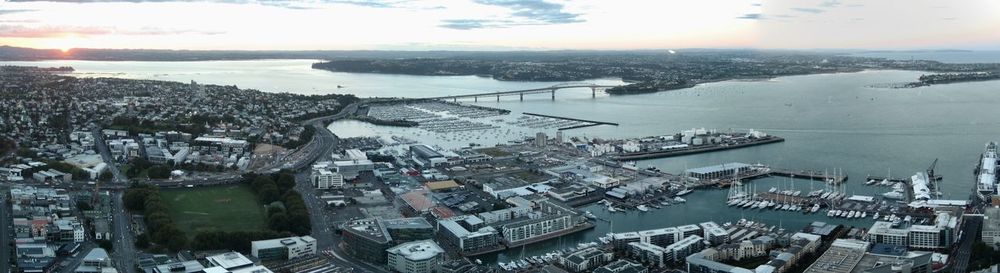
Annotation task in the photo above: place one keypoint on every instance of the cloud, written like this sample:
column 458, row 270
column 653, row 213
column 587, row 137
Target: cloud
column 523, row 13
column 809, row 10
column 830, row 4
column 20, row 31
column 751, row 16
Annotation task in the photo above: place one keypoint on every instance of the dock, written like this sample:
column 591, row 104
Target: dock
column 896, row 179
column 694, row 149
column 767, row 172
column 592, row 122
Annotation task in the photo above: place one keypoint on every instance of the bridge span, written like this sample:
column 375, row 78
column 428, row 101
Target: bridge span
column 551, row 89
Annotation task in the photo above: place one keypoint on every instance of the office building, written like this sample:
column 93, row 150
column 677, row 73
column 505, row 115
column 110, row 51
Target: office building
column 415, row 257
column 96, row 261
column 991, row 227
column 366, row 239
column 283, row 248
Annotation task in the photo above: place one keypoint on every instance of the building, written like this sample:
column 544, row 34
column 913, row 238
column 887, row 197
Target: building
column 718, row 171
column 715, row 234
column 96, row 261
column 620, row 266
column 469, row 233
column 283, row 248
column 704, row 262
column 415, row 257
column 366, row 239
column 842, row 257
column 991, row 227
column 425, row 156
column 689, row 230
column 649, row 254
column 540, row 139
column 325, row 179
column 351, row 169
column 229, row 261
column 407, row 229
column 661, row 236
column 621, row 241
column 681, row 249
column 894, row 259
column 585, row 259
column 528, row 228
column 882, row 232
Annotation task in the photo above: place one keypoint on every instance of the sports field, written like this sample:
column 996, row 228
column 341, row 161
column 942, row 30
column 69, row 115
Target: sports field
column 225, row 208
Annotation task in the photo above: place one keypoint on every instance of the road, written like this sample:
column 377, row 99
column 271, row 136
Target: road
column 5, row 233
column 970, row 233
column 102, row 148
column 75, row 262
column 125, row 255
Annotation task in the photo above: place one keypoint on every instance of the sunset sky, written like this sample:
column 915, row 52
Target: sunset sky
column 500, row 24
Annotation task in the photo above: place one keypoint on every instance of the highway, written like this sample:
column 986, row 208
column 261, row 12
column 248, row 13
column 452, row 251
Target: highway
column 5, row 233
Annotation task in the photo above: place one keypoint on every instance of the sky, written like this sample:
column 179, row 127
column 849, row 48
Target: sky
column 500, row 24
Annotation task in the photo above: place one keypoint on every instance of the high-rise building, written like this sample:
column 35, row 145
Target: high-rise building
column 283, row 248
column 540, row 139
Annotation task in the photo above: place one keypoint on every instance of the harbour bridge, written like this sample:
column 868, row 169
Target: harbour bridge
column 551, row 90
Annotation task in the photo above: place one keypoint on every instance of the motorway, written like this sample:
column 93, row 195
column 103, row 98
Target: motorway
column 5, row 234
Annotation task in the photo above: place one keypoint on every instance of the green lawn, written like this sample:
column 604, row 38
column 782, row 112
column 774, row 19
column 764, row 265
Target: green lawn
column 226, row 208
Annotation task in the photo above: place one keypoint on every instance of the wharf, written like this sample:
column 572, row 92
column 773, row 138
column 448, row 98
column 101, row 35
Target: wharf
column 804, row 174
column 573, row 119
column 896, row 179
column 694, row 149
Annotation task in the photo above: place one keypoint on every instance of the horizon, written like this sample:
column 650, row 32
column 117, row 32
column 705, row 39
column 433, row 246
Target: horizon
column 498, row 25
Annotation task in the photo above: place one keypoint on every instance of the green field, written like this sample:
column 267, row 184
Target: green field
column 225, row 208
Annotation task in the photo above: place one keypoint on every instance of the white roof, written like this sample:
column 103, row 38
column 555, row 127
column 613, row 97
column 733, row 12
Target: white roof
column 229, row 260
column 417, row 250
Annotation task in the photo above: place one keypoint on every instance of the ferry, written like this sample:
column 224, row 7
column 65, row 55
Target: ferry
column 685, row 191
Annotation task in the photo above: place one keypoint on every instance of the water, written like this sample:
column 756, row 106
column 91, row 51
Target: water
column 829, row 121
column 986, row 56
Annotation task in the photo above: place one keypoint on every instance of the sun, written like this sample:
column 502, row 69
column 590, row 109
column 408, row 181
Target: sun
column 65, row 49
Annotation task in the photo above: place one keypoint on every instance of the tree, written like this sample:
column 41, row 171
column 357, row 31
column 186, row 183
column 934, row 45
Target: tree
column 142, row 241
column 106, row 177
column 83, row 205
column 285, row 181
column 106, row 245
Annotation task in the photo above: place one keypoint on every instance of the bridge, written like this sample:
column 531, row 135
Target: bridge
column 551, row 90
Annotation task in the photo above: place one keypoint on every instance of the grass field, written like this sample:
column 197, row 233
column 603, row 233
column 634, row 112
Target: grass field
column 225, row 208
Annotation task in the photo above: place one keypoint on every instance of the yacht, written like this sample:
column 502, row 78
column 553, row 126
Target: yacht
column 772, row 190
column 870, row 181
column 876, row 216
column 897, row 195
column 679, row 199
column 642, row 208
column 815, row 208
column 683, row 192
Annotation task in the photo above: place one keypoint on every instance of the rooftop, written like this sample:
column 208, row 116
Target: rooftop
column 417, row 250
column 842, row 257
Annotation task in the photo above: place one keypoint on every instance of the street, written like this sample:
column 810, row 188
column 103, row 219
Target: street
column 5, row 234
column 102, row 148
column 125, row 255
column 970, row 233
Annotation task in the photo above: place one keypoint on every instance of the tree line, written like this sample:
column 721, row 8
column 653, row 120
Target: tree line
column 161, row 228
column 287, row 211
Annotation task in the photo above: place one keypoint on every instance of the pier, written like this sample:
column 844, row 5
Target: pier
column 896, row 179
column 763, row 171
column 694, row 149
column 591, row 122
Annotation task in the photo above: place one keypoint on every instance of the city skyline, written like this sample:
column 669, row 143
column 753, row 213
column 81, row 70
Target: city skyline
column 499, row 25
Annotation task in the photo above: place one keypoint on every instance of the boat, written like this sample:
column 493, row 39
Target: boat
column 611, row 209
column 772, row 190
column 815, row 208
column 875, row 217
column 642, row 208
column 683, row 192
column 679, row 199
column 870, row 181
column 864, row 214
column 815, row 193
column 589, row 215
column 797, row 193
column 897, row 195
